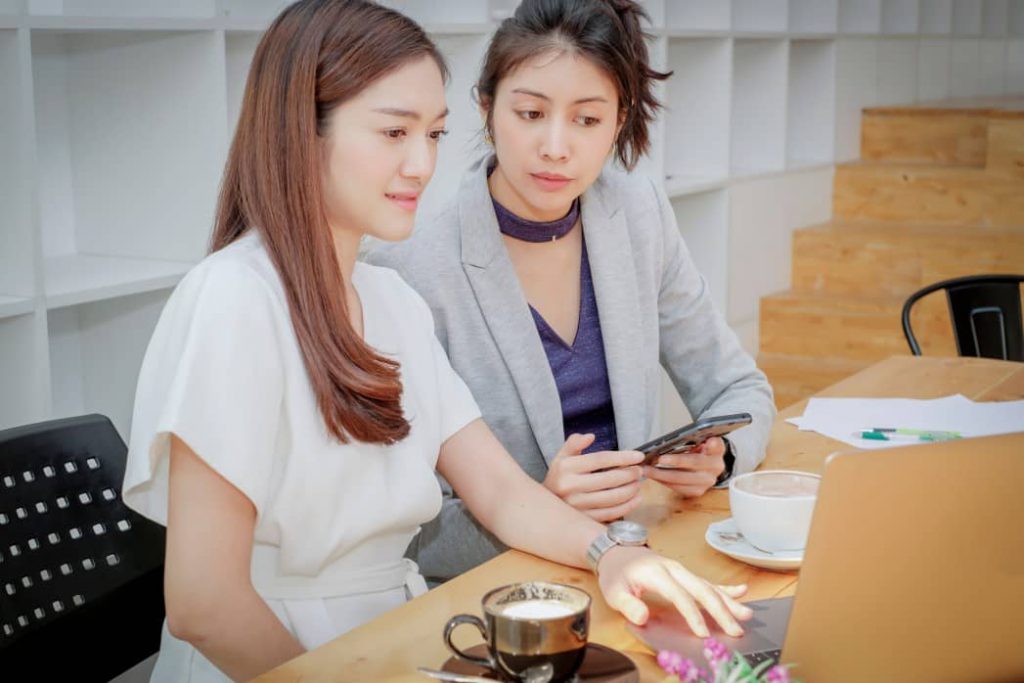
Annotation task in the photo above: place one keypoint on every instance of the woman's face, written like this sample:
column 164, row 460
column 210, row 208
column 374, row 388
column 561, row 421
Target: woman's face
column 554, row 120
column 380, row 149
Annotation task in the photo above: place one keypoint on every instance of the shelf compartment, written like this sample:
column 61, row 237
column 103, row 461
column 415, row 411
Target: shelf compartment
column 897, row 72
column 239, row 51
column 1015, row 20
column 131, row 141
column 759, row 16
column 23, row 369
column 697, row 112
column 82, row 278
column 860, row 16
column 1015, row 75
column 85, row 375
column 995, row 18
column 17, row 229
column 856, row 88
column 697, row 15
column 440, row 13
column 810, row 112
column 967, row 17
column 900, row 17
column 936, row 17
column 933, row 66
column 992, row 58
column 155, row 9
column 464, row 144
column 758, row 118
column 965, row 71
column 703, row 220
column 813, row 16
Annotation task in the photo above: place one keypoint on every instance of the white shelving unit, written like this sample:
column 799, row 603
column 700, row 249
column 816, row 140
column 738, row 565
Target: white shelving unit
column 116, row 116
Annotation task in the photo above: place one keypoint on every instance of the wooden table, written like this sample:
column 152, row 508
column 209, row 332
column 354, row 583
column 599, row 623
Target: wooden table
column 391, row 647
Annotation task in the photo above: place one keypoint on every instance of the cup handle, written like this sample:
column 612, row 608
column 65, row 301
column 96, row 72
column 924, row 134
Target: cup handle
column 457, row 621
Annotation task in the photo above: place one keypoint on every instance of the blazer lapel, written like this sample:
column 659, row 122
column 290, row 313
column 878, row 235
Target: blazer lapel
column 507, row 313
column 615, row 288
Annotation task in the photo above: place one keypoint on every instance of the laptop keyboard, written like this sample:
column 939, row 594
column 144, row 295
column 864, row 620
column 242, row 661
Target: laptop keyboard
column 755, row 658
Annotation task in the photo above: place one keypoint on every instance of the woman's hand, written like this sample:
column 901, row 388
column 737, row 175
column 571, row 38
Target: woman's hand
column 691, row 474
column 604, row 485
column 626, row 573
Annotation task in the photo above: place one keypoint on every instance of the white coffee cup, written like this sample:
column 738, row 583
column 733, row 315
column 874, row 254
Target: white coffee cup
column 773, row 508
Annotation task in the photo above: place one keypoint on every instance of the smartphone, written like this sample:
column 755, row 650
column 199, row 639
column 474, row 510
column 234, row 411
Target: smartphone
column 692, row 435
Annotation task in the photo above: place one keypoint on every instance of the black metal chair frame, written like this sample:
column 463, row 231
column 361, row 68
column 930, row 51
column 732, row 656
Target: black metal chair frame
column 81, row 575
column 969, row 297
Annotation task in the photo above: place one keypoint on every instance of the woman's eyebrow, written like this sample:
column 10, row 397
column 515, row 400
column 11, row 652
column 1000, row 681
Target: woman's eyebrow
column 542, row 96
column 407, row 113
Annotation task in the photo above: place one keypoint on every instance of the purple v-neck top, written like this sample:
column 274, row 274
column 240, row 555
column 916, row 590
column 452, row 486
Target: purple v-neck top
column 579, row 368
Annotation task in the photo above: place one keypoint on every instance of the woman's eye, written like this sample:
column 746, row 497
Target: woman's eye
column 588, row 121
column 436, row 135
column 531, row 115
column 395, row 133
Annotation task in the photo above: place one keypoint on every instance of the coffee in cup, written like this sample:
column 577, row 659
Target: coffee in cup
column 773, row 508
column 528, row 626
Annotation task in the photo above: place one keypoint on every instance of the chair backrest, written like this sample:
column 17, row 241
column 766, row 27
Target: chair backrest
column 986, row 314
column 81, row 575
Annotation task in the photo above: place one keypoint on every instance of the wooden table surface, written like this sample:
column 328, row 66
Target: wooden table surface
column 390, row 647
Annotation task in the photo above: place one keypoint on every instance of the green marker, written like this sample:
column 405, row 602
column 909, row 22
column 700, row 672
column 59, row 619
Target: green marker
column 897, row 434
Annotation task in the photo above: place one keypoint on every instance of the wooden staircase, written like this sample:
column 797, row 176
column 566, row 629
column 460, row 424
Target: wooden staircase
column 939, row 193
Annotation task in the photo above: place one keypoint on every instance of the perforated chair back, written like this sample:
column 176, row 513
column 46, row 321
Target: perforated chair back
column 986, row 314
column 81, row 575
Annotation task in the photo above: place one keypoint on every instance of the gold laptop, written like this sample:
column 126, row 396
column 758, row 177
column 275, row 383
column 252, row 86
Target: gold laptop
column 914, row 571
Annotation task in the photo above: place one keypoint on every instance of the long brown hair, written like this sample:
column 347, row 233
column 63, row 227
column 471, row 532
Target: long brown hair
column 316, row 55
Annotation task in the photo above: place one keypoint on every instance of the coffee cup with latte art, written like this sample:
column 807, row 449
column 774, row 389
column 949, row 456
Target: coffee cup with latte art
column 528, row 626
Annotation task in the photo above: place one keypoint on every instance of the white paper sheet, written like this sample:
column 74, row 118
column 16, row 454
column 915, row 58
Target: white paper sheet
column 843, row 418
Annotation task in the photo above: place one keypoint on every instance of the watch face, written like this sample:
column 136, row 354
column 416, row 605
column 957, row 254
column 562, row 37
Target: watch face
column 627, row 533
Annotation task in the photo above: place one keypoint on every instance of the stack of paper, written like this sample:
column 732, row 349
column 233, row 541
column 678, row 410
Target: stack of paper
column 844, row 419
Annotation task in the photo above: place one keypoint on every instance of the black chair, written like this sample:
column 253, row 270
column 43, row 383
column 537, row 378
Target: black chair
column 81, row 575
column 985, row 312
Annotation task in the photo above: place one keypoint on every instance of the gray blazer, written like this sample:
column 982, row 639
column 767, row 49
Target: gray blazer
column 654, row 307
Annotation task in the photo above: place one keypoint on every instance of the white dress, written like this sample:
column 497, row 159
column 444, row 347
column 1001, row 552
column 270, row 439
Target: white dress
column 224, row 373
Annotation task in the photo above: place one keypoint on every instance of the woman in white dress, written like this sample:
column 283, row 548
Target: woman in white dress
column 293, row 404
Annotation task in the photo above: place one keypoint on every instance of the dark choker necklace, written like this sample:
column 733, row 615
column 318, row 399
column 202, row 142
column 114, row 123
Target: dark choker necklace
column 534, row 231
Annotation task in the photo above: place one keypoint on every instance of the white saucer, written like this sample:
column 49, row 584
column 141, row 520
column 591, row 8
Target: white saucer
column 726, row 538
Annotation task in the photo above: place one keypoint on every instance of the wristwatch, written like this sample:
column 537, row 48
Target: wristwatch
column 616, row 533
column 730, row 462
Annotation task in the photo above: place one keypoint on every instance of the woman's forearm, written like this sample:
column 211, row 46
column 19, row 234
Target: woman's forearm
column 237, row 632
column 515, row 508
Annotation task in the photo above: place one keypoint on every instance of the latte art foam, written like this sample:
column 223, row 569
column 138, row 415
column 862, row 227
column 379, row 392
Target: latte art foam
column 536, row 609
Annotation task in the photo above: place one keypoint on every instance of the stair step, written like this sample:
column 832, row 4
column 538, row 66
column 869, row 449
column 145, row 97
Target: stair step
column 1006, row 146
column 851, row 327
column 945, row 137
column 794, row 378
column 927, row 195
column 879, row 258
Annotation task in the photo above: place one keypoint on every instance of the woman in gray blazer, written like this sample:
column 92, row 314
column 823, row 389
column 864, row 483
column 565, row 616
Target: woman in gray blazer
column 558, row 286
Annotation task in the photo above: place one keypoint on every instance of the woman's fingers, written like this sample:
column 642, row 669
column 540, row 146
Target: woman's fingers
column 631, row 607
column 710, row 599
column 669, row 587
column 609, row 498
column 617, row 512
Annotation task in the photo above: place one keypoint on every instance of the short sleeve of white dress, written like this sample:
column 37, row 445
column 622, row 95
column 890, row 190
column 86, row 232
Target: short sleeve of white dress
column 212, row 376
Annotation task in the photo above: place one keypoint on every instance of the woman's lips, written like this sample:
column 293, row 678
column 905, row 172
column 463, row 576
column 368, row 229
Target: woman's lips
column 405, row 200
column 550, row 182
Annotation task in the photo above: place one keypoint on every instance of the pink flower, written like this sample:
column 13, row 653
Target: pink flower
column 673, row 663
column 777, row 674
column 715, row 653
